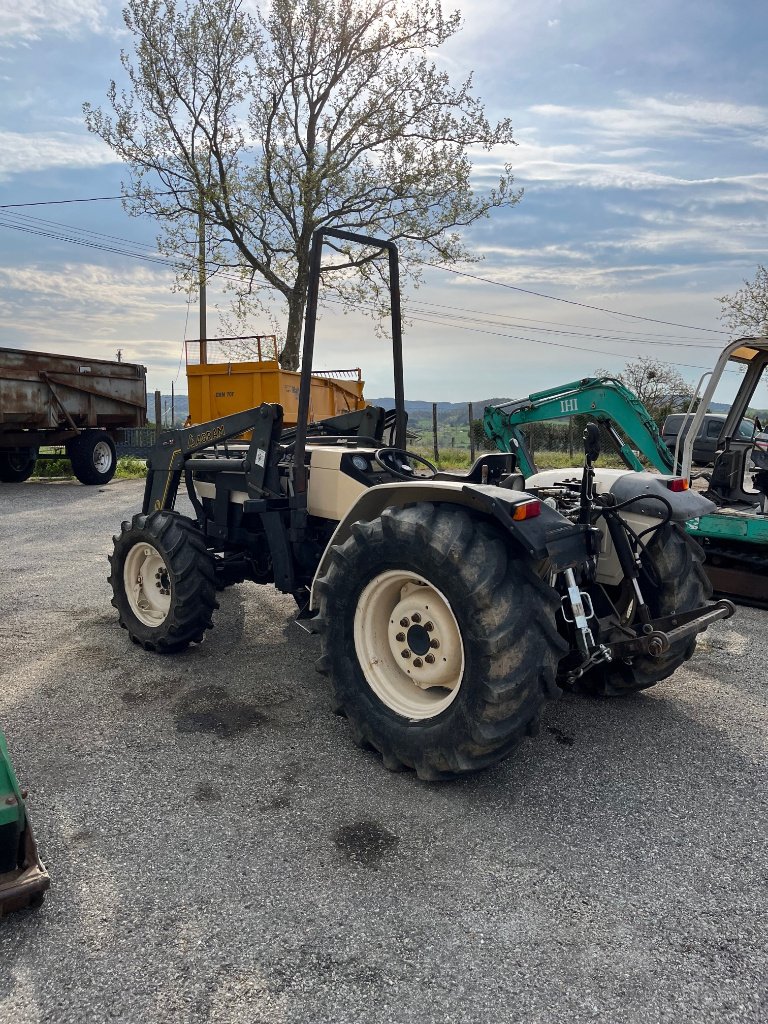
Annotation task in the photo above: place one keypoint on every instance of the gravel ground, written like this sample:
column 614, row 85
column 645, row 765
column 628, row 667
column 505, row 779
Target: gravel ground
column 221, row 851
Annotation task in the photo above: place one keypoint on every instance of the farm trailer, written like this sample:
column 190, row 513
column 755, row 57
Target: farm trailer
column 50, row 400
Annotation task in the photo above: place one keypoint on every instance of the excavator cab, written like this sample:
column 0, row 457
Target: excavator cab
column 739, row 460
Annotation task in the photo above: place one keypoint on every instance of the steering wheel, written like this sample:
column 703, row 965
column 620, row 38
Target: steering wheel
column 397, row 461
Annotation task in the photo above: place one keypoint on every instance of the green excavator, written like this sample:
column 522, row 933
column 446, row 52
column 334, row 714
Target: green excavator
column 23, row 878
column 735, row 535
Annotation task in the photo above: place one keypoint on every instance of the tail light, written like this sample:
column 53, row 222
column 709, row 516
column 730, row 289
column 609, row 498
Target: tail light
column 527, row 510
column 678, row 484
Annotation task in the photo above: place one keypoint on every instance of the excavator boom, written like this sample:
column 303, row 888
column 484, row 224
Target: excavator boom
column 604, row 399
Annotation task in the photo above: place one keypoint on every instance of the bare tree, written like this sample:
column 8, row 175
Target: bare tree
column 659, row 386
column 746, row 311
column 316, row 112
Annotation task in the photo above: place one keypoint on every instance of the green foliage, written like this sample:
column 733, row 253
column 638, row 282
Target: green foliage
column 315, row 113
column 746, row 311
column 128, row 468
column 47, row 468
column 450, row 458
column 459, row 458
column 131, row 468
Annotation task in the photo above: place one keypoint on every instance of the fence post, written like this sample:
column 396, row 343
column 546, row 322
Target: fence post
column 471, row 436
column 434, row 431
column 158, row 414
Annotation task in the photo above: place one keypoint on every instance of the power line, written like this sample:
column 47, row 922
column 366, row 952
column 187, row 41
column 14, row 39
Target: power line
column 92, row 199
column 425, row 263
column 424, row 316
column 575, row 332
column 570, row 302
column 533, row 341
column 641, row 335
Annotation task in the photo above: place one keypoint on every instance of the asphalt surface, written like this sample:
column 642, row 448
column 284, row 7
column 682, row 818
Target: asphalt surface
column 221, row 851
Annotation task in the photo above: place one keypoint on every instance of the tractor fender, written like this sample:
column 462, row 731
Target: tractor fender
column 548, row 535
column 625, row 484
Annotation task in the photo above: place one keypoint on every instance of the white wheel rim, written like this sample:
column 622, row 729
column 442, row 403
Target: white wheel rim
column 408, row 644
column 147, row 584
column 102, row 457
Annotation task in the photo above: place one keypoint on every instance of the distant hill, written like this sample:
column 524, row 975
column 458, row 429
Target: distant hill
column 447, row 412
column 180, row 408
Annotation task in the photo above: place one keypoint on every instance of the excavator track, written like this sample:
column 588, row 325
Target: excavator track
column 739, row 574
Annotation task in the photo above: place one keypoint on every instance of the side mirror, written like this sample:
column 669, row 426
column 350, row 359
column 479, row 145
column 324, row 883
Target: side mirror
column 758, row 427
column 592, row 442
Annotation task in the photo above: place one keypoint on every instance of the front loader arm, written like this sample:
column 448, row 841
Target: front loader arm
column 175, row 448
column 603, row 399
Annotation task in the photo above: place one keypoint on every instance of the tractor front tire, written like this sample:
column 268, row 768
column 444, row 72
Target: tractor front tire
column 163, row 581
column 440, row 643
column 93, row 457
column 16, row 467
column 672, row 580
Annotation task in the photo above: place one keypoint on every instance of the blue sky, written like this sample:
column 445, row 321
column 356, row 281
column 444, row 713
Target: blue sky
column 642, row 134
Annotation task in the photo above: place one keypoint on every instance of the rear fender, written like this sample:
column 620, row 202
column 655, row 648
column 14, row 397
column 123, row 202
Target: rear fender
column 625, row 484
column 640, row 515
column 545, row 536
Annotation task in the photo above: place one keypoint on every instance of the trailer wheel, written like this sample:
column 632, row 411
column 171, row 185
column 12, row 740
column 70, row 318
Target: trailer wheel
column 163, row 581
column 441, row 645
column 93, row 457
column 672, row 580
column 16, row 467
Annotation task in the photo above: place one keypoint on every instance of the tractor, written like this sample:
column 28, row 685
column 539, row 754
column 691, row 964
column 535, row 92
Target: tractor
column 449, row 606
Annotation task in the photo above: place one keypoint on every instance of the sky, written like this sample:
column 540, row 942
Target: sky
column 642, row 152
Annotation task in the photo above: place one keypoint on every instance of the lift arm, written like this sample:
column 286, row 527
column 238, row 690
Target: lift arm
column 603, row 399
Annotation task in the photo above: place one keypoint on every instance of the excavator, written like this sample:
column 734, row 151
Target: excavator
column 23, row 877
column 735, row 535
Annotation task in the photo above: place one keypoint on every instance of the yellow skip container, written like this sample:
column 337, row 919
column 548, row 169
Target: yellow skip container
column 223, row 387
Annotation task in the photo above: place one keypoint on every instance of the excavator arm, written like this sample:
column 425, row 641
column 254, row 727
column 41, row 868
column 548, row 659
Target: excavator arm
column 604, row 399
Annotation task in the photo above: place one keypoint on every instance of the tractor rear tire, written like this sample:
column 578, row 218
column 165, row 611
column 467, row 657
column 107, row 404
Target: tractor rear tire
column 440, row 642
column 163, row 581
column 16, row 467
column 93, row 457
column 672, row 580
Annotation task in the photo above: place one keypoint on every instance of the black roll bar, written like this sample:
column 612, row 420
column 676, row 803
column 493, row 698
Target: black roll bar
column 310, row 323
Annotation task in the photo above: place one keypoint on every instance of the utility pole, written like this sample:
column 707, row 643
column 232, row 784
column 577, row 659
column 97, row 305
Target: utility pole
column 158, row 414
column 173, row 412
column 201, row 282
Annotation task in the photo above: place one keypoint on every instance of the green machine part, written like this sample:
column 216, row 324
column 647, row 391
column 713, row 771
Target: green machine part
column 12, row 813
column 603, row 399
column 23, row 878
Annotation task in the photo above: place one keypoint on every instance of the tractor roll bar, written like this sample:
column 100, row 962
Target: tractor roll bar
column 310, row 322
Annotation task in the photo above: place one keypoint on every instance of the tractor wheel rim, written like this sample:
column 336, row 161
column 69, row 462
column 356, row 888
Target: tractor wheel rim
column 408, row 644
column 102, row 457
column 147, row 584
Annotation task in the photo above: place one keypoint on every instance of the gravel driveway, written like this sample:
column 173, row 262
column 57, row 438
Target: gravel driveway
column 221, row 851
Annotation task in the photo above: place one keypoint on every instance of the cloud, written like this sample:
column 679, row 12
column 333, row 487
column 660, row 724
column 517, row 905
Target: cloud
column 30, row 20
column 82, row 298
column 652, row 118
column 21, row 153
